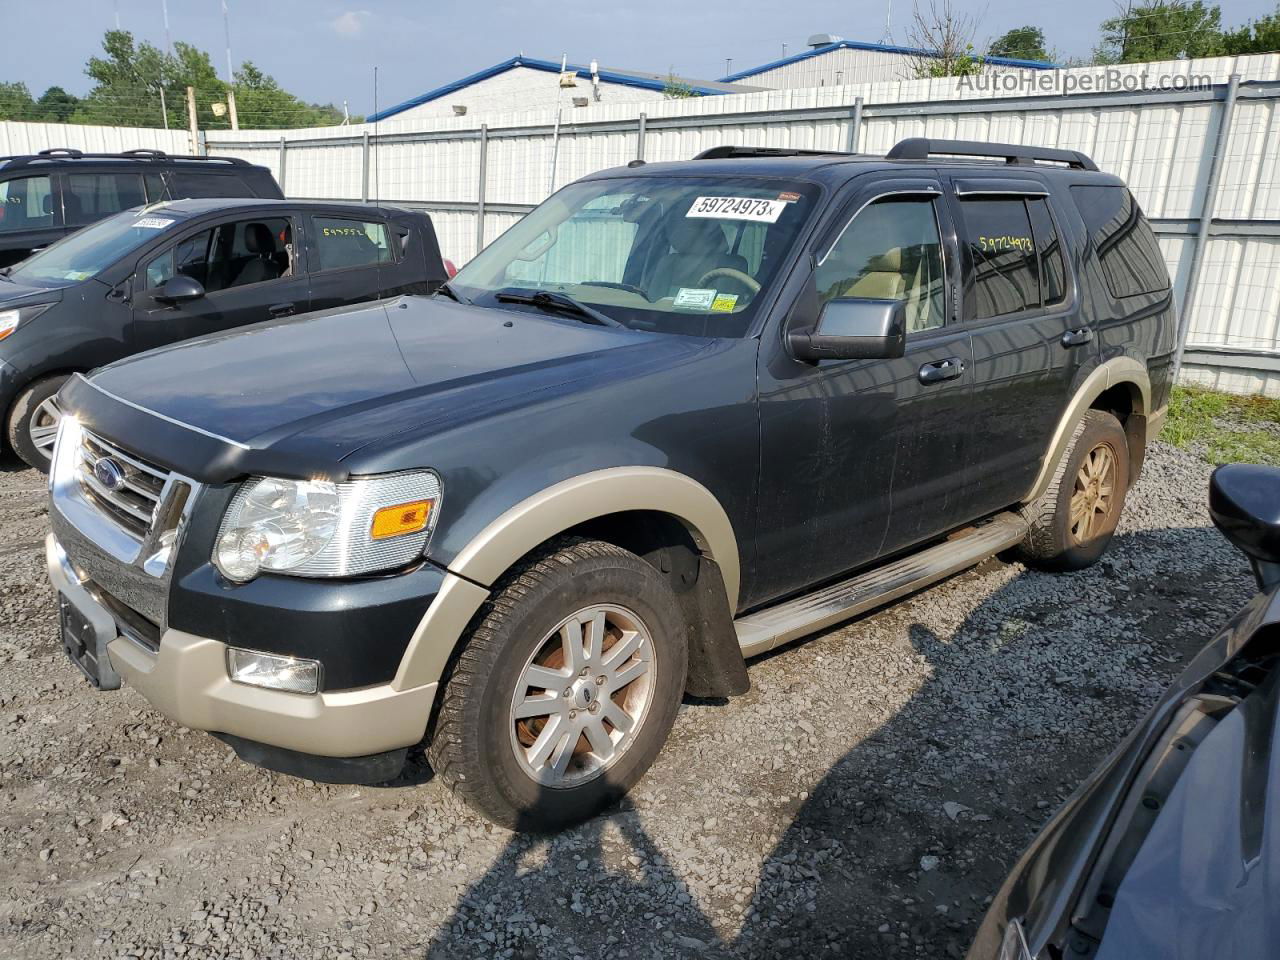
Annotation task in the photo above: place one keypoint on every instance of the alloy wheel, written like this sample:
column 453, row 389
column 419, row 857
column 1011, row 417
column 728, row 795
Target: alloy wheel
column 583, row 696
column 1093, row 496
column 43, row 427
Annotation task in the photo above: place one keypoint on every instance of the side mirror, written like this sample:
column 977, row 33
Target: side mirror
column 1244, row 502
column 854, row 328
column 180, row 289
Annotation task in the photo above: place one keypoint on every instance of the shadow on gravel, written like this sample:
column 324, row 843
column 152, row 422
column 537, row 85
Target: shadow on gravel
column 896, row 849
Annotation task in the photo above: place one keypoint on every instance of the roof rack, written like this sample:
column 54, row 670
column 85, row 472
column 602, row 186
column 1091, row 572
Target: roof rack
column 728, row 152
column 921, row 148
column 57, row 154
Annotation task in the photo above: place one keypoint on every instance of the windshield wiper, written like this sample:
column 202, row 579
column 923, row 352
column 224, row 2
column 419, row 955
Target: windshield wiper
column 560, row 302
column 451, row 293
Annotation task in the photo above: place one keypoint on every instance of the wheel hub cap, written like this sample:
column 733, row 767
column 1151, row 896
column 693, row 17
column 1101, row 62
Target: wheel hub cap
column 1092, row 497
column 583, row 695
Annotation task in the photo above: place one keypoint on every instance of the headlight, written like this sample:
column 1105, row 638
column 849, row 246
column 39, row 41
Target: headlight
column 316, row 528
column 9, row 319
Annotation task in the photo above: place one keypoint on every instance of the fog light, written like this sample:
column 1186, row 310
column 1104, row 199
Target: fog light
column 274, row 672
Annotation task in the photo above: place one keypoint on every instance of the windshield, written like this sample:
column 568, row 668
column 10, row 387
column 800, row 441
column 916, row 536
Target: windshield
column 88, row 252
column 687, row 255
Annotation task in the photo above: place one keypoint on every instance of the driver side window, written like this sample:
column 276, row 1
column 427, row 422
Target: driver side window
column 890, row 251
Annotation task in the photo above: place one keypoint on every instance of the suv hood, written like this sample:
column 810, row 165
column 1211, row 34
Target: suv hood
column 323, row 385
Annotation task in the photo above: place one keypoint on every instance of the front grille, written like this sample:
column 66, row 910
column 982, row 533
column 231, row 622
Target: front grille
column 132, row 504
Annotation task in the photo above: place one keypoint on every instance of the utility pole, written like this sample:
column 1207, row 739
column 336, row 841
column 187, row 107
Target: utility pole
column 168, row 43
column 226, row 31
column 231, row 108
column 191, row 119
column 164, row 110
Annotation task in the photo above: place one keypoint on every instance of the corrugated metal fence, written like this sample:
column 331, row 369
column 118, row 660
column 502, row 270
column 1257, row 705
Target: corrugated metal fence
column 1200, row 156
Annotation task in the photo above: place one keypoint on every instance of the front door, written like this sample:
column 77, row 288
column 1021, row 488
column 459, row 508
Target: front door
column 30, row 216
column 862, row 457
column 248, row 267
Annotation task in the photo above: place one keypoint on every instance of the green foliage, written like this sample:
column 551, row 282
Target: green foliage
column 676, row 89
column 1021, row 43
column 963, row 64
column 1162, row 30
column 131, row 81
column 1260, row 36
column 1224, row 428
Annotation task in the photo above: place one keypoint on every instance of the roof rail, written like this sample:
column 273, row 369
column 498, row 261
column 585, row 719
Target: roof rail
column 921, row 148
column 62, row 154
column 729, row 152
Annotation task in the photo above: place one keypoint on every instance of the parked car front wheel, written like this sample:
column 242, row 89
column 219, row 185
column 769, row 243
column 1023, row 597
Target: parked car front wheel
column 33, row 422
column 566, row 687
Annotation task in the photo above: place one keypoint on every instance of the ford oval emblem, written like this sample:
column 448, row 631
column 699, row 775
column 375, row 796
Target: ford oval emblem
column 109, row 473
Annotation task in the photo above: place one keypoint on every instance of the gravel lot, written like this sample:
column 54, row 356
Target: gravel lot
column 864, row 800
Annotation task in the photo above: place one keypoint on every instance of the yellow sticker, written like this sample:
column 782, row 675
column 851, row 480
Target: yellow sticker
column 724, row 303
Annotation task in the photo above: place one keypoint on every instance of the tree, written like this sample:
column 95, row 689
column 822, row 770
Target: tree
column 1260, row 36
column 16, row 102
column 260, row 102
column 56, row 105
column 945, row 41
column 1020, row 43
column 1162, row 30
column 673, row 88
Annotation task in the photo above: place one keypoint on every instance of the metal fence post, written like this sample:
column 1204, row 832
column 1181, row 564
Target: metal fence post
column 855, row 126
column 480, row 185
column 280, row 177
column 202, row 144
column 644, row 120
column 1206, row 220
column 364, row 167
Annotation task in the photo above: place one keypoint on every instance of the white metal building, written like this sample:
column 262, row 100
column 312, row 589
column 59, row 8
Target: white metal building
column 833, row 61
column 523, row 83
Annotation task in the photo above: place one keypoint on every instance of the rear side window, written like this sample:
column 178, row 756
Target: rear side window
column 1006, row 273
column 26, row 203
column 1053, row 287
column 350, row 243
column 88, row 197
column 1126, row 248
column 198, row 186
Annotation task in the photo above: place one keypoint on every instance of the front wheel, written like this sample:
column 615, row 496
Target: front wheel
column 1073, row 521
column 565, row 689
column 33, row 422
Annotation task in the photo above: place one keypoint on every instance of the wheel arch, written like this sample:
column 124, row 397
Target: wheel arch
column 602, row 503
column 1121, row 386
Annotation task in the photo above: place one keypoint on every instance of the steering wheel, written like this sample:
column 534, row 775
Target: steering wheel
column 729, row 273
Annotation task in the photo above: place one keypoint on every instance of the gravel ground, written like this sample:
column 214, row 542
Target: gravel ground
column 864, row 800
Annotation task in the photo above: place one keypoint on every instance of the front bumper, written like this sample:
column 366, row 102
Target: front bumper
column 187, row 681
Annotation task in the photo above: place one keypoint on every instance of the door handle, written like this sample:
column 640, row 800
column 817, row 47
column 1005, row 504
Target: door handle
column 281, row 309
column 1077, row 338
column 939, row 370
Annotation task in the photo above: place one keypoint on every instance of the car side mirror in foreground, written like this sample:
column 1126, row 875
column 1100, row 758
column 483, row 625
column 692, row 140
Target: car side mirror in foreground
column 1244, row 501
column 854, row 328
column 180, row 289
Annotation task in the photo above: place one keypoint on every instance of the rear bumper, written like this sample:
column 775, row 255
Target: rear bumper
column 187, row 681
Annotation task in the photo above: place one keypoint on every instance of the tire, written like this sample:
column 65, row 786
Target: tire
column 532, row 772
column 1057, row 542
column 33, row 415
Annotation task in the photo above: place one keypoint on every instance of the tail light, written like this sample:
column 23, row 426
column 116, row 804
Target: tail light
column 449, row 268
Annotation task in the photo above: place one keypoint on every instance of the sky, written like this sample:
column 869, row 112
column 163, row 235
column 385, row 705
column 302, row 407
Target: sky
column 325, row 50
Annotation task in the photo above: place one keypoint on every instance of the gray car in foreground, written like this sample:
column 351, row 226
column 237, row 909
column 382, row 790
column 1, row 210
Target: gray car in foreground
column 1171, row 849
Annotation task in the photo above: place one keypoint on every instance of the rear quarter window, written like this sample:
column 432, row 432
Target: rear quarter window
column 1122, row 240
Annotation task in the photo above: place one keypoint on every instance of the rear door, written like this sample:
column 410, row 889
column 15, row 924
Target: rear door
column 250, row 267
column 30, row 215
column 1021, row 308
column 353, row 258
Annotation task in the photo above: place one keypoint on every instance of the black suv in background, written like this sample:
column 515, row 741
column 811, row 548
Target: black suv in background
column 188, row 268
column 677, row 416
column 45, row 196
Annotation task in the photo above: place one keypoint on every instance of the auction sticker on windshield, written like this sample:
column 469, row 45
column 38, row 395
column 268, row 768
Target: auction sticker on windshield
column 737, row 208
column 694, row 298
column 153, row 223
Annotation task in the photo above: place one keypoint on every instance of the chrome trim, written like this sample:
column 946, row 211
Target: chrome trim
column 167, row 419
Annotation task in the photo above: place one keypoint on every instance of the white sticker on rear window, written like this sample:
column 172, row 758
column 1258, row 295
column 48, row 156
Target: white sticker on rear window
column 153, row 223
column 694, row 298
column 737, row 208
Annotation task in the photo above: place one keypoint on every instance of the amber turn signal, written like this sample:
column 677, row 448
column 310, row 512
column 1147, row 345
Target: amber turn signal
column 401, row 519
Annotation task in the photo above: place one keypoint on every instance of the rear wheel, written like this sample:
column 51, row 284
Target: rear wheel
column 565, row 690
column 33, row 422
column 1073, row 522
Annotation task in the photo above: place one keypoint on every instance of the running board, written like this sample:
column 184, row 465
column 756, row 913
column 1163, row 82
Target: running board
column 765, row 629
